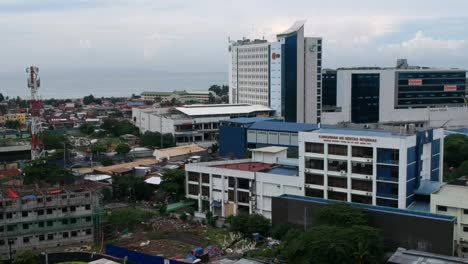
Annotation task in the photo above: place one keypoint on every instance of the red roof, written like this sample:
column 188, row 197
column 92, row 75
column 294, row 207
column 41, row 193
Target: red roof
column 246, row 166
column 10, row 173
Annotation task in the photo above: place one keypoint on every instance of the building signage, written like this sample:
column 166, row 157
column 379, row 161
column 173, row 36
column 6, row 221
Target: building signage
column 348, row 139
column 414, row 82
column 450, row 88
column 275, row 56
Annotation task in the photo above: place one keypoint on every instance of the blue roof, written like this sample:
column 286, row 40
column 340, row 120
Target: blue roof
column 360, row 132
column 372, row 207
column 457, row 131
column 283, row 126
column 285, row 171
column 248, row 120
column 426, row 187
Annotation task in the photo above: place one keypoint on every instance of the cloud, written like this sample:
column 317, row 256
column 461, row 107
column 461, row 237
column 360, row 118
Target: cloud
column 84, row 43
column 421, row 43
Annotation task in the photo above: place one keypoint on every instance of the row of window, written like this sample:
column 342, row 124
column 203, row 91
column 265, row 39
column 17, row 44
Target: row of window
column 256, row 69
column 41, row 199
column 250, row 76
column 40, row 212
column 254, row 56
column 244, row 63
column 253, row 83
column 43, row 237
column 339, row 166
column 246, row 50
column 42, row 224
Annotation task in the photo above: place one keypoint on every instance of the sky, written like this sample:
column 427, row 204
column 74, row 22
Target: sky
column 192, row 36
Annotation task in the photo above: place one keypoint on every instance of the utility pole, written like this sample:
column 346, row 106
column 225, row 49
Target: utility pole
column 161, row 126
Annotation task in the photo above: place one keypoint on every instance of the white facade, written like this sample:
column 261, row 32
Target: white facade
column 447, row 116
column 347, row 165
column 275, row 77
column 453, row 200
column 195, row 123
column 249, row 70
column 227, row 191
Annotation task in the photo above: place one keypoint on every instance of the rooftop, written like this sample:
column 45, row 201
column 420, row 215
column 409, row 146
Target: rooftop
column 361, row 132
column 119, row 168
column 178, row 151
column 248, row 120
column 271, row 149
column 260, row 167
column 294, row 28
column 283, row 126
column 372, row 207
column 402, row 256
column 221, row 109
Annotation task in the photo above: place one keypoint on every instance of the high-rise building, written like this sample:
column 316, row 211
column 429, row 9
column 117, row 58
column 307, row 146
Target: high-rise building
column 425, row 97
column 285, row 75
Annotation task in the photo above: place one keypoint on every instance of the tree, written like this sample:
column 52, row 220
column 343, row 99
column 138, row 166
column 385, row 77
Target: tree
column 54, row 141
column 341, row 214
column 87, row 129
column 26, row 257
column 214, row 148
column 129, row 218
column 462, row 170
column 12, row 124
column 455, row 149
column 173, row 183
column 2, row 98
column 153, row 140
column 249, row 224
column 105, row 161
column 132, row 187
column 46, row 172
column 89, row 99
column 119, row 128
column 122, row 149
column 98, row 148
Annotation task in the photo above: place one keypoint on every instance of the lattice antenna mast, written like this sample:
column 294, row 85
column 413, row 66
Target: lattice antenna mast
column 37, row 143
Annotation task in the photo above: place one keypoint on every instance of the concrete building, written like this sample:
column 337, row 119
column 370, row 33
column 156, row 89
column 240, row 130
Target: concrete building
column 284, row 75
column 246, row 185
column 426, row 97
column 193, row 123
column 249, row 72
column 237, row 135
column 36, row 219
column 375, row 167
column 20, row 117
column 452, row 200
column 181, row 96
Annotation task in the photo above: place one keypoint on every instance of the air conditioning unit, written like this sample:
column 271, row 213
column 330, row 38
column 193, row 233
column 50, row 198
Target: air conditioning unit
column 342, row 172
column 368, row 177
column 205, row 198
column 369, row 160
column 369, row 194
column 330, row 189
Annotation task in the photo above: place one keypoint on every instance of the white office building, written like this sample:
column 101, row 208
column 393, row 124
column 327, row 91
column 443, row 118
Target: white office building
column 452, row 200
column 284, row 75
column 425, row 97
column 375, row 167
column 193, row 123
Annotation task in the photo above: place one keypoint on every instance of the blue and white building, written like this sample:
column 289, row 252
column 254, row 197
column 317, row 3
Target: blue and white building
column 285, row 75
column 375, row 167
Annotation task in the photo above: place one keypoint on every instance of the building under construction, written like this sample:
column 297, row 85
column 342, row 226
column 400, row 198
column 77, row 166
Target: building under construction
column 40, row 218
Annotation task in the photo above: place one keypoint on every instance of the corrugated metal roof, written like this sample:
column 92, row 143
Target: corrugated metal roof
column 249, row 120
column 224, row 109
column 283, row 126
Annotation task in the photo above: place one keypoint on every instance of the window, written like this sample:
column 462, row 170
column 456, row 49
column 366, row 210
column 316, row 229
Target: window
column 41, row 237
column 48, row 199
column 362, row 168
column 72, row 208
column 50, row 236
column 339, row 182
column 24, row 214
column 314, row 147
column 465, row 211
column 316, row 179
column 88, row 231
column 243, row 183
column 340, row 150
column 25, row 240
column 88, row 207
column 65, row 234
column 205, row 178
column 193, row 189
column 50, row 223
column 64, row 221
column 40, row 212
column 2, row 242
column 442, row 208
column 9, row 215
column 25, row 226
column 311, row 163
column 362, row 152
column 338, row 165
column 64, row 209
column 73, row 221
column 193, row 176
column 465, row 229
column 88, row 219
column 40, row 224
column 74, row 233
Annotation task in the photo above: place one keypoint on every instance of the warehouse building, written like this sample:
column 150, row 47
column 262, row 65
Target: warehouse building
column 194, row 123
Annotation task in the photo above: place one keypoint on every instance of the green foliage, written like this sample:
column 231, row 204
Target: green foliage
column 211, row 219
column 25, row 257
column 132, row 187
column 341, row 214
column 214, row 148
column 279, row 231
column 54, row 141
column 248, row 224
column 98, row 148
column 455, row 149
column 153, row 140
column 129, row 218
column 87, row 129
column 462, row 170
column 90, row 99
column 119, row 128
column 105, row 161
column 42, row 171
column 173, row 183
column 1, row 97
column 183, row 216
column 340, row 235
column 162, row 209
column 122, row 148
column 106, row 194
column 12, row 124
column 191, row 211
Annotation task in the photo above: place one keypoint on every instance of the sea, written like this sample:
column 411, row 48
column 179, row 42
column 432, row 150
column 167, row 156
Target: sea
column 107, row 83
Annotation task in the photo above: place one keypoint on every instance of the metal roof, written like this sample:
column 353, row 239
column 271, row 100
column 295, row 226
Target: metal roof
column 463, row 131
column 426, row 187
column 283, row 126
column 248, row 120
column 221, row 109
column 360, row 132
column 271, row 149
column 372, row 207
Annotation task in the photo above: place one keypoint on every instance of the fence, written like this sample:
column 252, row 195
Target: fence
column 137, row 257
